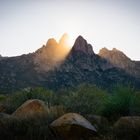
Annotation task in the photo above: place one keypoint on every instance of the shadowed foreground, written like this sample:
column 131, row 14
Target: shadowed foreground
column 38, row 114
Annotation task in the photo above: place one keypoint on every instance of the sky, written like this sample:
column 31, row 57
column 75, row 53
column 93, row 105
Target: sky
column 25, row 25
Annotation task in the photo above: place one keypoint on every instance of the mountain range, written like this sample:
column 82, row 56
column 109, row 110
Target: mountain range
column 57, row 66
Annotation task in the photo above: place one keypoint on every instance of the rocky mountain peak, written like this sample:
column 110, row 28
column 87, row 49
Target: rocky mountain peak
column 113, row 54
column 64, row 39
column 52, row 54
column 103, row 51
column 115, row 50
column 51, row 42
column 82, row 46
column 117, row 58
column 50, row 45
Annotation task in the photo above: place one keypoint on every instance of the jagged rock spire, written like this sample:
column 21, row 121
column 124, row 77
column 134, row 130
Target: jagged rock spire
column 51, row 42
column 82, row 45
column 64, row 39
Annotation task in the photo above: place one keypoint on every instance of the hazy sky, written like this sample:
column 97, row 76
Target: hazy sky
column 25, row 25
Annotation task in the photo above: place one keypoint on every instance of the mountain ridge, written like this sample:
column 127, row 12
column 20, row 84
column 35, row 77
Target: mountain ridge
column 120, row 60
column 47, row 68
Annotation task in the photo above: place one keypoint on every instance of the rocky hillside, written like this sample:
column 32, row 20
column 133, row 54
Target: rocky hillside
column 55, row 66
column 120, row 60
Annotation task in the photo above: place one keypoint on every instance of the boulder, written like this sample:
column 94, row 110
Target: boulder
column 127, row 128
column 73, row 126
column 31, row 108
column 101, row 123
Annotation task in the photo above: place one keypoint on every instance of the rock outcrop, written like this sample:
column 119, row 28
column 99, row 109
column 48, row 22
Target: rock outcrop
column 73, row 126
column 120, row 60
column 127, row 128
column 64, row 40
column 81, row 45
column 101, row 123
column 31, row 108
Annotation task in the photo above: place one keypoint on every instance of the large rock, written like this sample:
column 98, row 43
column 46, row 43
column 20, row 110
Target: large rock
column 100, row 123
column 31, row 108
column 127, row 128
column 73, row 126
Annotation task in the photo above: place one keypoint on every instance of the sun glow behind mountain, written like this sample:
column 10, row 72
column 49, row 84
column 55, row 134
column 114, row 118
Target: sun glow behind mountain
column 53, row 54
column 72, row 30
column 67, row 40
column 70, row 42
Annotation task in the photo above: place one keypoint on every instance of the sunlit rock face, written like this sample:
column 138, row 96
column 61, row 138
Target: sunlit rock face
column 31, row 108
column 120, row 60
column 116, row 57
column 51, row 55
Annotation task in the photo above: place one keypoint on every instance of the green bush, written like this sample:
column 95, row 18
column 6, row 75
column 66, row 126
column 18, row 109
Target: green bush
column 85, row 99
column 2, row 98
column 135, row 104
column 119, row 103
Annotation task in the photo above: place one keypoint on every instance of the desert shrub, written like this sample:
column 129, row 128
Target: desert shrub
column 85, row 99
column 2, row 98
column 119, row 103
column 135, row 104
column 55, row 111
